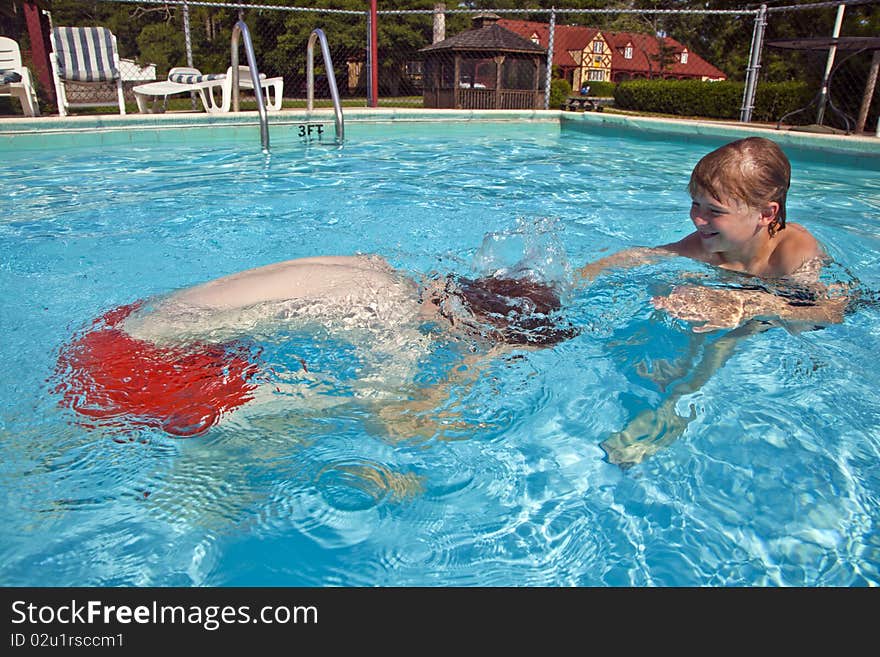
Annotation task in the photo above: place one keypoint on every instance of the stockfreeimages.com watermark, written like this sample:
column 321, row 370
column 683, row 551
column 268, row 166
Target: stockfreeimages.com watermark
column 209, row 617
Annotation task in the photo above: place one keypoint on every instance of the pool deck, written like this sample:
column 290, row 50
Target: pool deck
column 50, row 131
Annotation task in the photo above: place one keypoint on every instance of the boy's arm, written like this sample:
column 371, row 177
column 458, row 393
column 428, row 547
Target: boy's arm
column 717, row 308
column 621, row 260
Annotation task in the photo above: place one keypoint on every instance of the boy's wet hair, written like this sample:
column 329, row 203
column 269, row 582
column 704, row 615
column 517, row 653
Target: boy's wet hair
column 509, row 310
column 753, row 170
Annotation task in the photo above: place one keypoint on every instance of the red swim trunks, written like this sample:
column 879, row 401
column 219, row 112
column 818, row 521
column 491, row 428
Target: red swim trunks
column 110, row 376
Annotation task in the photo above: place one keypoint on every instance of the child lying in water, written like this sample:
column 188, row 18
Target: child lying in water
column 177, row 362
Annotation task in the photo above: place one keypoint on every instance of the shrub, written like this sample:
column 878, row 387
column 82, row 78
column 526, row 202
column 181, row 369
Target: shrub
column 560, row 89
column 775, row 99
column 601, row 88
column 715, row 100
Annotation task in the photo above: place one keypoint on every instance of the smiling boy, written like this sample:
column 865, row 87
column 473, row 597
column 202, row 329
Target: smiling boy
column 738, row 194
column 738, row 197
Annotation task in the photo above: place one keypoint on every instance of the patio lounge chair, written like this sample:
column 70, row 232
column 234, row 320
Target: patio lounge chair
column 84, row 57
column 181, row 80
column 15, row 79
column 185, row 79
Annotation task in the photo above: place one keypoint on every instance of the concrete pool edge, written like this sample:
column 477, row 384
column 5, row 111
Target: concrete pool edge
column 52, row 132
column 863, row 146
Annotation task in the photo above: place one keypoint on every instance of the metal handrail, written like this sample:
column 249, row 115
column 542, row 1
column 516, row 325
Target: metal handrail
column 318, row 33
column 242, row 29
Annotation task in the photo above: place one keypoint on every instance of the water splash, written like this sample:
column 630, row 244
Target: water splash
column 533, row 249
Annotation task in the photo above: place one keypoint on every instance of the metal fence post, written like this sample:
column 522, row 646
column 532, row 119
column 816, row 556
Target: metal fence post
column 38, row 27
column 549, row 58
column 748, row 104
column 189, row 51
column 372, row 57
column 368, row 69
column 829, row 66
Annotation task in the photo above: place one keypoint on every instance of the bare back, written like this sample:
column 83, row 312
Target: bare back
column 318, row 278
column 344, row 292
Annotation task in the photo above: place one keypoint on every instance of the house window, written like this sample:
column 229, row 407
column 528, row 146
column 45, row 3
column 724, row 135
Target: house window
column 597, row 61
column 596, row 76
column 684, row 56
column 628, row 52
column 598, row 47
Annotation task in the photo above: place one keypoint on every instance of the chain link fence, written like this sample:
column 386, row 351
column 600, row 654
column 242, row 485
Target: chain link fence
column 431, row 56
column 798, row 46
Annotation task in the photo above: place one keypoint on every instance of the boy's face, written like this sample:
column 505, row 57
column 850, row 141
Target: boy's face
column 728, row 223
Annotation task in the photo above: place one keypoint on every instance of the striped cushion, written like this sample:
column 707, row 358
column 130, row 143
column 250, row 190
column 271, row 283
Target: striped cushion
column 85, row 54
column 7, row 77
column 192, row 78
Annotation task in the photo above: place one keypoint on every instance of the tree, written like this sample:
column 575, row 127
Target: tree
column 154, row 33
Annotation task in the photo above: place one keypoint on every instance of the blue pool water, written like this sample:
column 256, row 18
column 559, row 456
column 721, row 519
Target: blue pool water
column 774, row 479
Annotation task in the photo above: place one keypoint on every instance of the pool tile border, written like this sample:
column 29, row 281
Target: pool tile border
column 198, row 127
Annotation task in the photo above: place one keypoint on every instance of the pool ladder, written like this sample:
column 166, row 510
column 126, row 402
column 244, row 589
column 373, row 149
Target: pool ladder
column 242, row 29
column 318, row 34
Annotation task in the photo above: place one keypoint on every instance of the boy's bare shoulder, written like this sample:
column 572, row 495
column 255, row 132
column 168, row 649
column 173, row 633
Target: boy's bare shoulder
column 798, row 232
column 796, row 247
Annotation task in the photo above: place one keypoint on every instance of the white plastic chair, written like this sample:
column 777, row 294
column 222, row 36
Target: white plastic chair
column 185, row 79
column 181, row 80
column 15, row 78
column 85, row 57
column 272, row 87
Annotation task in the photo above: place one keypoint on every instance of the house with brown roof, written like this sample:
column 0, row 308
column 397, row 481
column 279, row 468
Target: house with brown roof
column 587, row 54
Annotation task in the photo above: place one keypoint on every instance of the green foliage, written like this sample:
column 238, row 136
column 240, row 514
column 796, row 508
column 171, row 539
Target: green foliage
column 774, row 99
column 560, row 89
column 163, row 45
column 716, row 100
column 153, row 33
column 602, row 88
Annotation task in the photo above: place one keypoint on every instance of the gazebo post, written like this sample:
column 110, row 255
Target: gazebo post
column 456, row 82
column 536, row 61
column 499, row 62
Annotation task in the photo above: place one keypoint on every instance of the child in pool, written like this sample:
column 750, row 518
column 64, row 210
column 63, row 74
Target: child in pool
column 738, row 194
column 178, row 362
column 360, row 292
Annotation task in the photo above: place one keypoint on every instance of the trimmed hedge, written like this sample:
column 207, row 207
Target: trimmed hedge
column 715, row 100
column 601, row 88
column 775, row 99
column 560, row 90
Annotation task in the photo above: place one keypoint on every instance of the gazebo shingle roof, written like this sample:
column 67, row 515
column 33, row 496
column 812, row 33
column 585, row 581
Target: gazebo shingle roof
column 493, row 38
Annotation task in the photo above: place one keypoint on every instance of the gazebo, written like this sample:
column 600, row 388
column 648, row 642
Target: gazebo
column 487, row 67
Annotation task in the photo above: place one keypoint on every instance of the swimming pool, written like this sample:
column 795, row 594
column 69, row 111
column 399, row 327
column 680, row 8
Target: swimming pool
column 774, row 481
